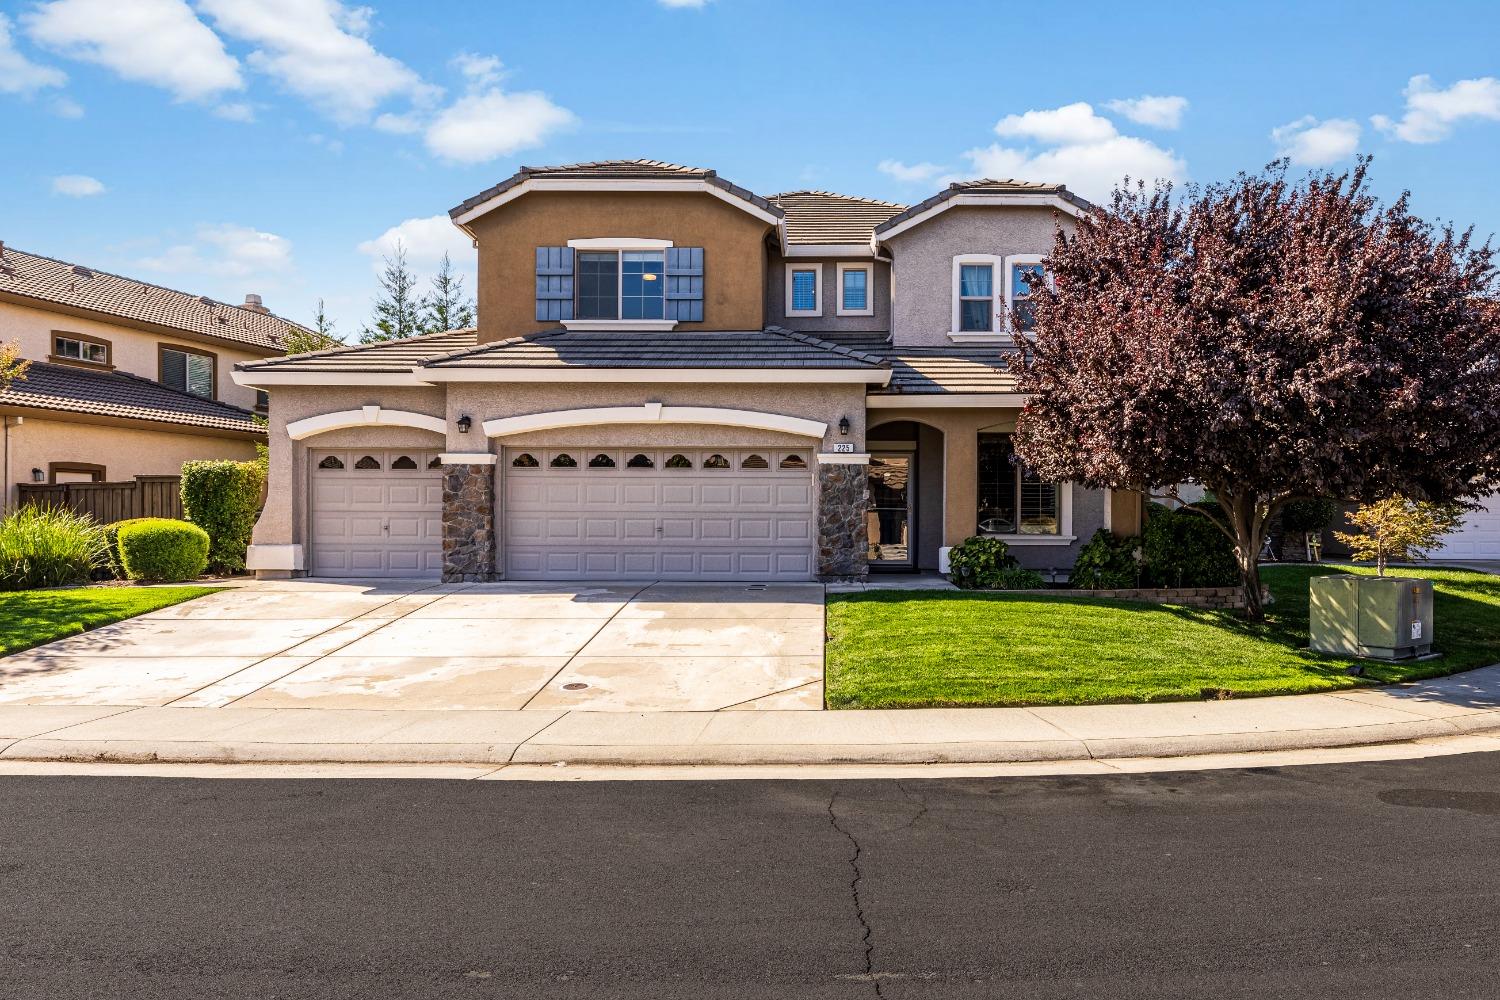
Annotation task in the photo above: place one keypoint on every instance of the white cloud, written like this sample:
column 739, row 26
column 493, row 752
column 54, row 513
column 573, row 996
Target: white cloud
column 19, row 75
column 1313, row 143
column 480, row 71
column 1091, row 169
column 237, row 111
column 492, row 123
column 398, row 124
column 227, row 250
column 158, row 42
column 910, row 173
column 1432, row 113
column 425, row 240
column 66, row 107
column 1069, row 124
column 77, row 185
column 317, row 50
column 1148, row 109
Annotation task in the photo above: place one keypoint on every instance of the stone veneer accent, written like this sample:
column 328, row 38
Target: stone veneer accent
column 468, row 523
column 843, row 545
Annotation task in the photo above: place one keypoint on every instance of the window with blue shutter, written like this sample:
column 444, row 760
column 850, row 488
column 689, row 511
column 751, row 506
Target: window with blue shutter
column 554, row 284
column 685, row 284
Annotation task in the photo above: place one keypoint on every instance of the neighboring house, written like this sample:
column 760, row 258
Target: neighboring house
column 126, row 378
column 676, row 378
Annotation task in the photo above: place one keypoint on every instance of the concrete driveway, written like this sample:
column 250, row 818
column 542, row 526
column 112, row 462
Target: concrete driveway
column 414, row 645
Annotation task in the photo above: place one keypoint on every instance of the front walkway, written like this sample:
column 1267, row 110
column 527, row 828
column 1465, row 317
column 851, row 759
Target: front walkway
column 417, row 646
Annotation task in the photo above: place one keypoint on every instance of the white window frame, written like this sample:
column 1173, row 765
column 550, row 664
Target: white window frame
column 1010, row 268
column 869, row 309
column 994, row 335
column 619, row 245
column 816, row 267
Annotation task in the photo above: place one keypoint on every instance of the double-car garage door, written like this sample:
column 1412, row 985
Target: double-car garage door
column 657, row 513
column 576, row 513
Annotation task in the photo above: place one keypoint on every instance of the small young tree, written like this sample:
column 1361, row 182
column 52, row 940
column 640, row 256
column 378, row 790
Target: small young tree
column 398, row 310
column 446, row 306
column 12, row 365
column 1269, row 341
column 300, row 339
column 1398, row 529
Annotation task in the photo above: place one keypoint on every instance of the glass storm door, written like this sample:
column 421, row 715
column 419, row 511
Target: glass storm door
column 889, row 518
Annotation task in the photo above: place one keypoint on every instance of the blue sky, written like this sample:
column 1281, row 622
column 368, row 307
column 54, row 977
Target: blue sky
column 277, row 146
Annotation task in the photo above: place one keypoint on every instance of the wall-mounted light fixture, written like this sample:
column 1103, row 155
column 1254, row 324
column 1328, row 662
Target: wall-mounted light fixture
column 844, row 426
column 38, row 476
column 464, row 423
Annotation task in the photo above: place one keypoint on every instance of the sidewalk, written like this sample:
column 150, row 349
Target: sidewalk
column 1462, row 704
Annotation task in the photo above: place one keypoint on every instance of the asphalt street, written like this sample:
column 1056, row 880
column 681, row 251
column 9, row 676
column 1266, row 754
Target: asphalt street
column 1366, row 880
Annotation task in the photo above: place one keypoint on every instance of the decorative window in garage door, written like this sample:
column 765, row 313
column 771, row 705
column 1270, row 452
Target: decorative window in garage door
column 716, row 461
column 601, row 461
column 367, row 463
column 562, row 460
column 331, row 462
column 404, row 463
column 524, row 461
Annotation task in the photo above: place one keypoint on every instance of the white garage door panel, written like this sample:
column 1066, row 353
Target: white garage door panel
column 745, row 522
column 1477, row 538
column 384, row 519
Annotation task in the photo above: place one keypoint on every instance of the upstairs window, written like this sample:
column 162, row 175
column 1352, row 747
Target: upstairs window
column 187, row 371
column 804, row 289
column 976, row 298
column 1025, row 274
column 855, row 296
column 76, row 348
column 621, row 284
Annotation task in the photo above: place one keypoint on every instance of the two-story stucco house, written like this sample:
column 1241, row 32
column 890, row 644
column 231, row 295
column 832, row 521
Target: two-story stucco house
column 126, row 378
column 676, row 378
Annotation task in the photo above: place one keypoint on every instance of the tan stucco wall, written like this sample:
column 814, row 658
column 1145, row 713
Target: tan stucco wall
column 923, row 269
column 123, row 451
column 131, row 350
column 733, row 242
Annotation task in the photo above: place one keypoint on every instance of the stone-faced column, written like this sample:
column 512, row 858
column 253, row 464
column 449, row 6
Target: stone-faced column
column 843, row 498
column 468, row 518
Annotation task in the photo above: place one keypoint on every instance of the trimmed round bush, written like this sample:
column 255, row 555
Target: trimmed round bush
column 978, row 562
column 161, row 550
column 1108, row 562
column 1186, row 549
column 43, row 546
column 114, row 568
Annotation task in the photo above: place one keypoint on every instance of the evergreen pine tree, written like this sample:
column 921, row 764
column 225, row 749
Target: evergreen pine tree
column 398, row 310
column 447, row 308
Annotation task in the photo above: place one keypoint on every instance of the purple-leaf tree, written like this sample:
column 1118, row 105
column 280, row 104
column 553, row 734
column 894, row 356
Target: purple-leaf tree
column 1270, row 341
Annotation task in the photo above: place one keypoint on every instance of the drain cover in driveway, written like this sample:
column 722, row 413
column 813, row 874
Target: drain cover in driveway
column 575, row 686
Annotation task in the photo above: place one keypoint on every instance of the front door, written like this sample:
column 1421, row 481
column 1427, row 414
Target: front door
column 890, row 512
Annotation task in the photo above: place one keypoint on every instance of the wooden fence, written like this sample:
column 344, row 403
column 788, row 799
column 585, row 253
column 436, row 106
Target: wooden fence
column 147, row 496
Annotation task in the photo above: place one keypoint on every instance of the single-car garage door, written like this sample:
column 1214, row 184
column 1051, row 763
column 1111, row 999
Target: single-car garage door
column 1477, row 538
column 376, row 513
column 658, row 513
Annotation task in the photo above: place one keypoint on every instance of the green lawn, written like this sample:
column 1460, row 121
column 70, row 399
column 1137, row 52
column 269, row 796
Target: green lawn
column 907, row 649
column 31, row 617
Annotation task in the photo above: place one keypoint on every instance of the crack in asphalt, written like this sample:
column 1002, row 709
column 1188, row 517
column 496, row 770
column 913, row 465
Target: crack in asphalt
column 857, row 876
column 921, row 804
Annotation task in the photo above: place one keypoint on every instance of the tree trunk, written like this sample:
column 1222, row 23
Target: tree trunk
column 1247, row 523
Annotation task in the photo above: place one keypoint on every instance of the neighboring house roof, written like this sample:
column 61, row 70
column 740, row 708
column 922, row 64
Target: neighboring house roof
column 70, row 389
column 46, row 281
column 772, row 347
column 935, row 371
column 823, row 218
column 380, row 356
column 605, row 171
column 978, row 191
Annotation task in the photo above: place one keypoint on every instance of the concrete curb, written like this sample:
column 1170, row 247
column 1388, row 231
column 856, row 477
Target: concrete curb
column 1461, row 704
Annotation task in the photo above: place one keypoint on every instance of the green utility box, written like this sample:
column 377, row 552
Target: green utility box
column 1381, row 617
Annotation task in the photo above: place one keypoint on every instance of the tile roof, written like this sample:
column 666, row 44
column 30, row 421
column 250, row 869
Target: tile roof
column 772, row 347
column 933, row 371
column 983, row 185
column 822, row 217
column 69, row 389
column 55, row 281
column 381, row 356
column 616, row 170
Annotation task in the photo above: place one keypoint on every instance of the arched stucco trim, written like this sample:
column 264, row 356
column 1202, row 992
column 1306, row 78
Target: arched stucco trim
column 365, row 416
column 655, row 413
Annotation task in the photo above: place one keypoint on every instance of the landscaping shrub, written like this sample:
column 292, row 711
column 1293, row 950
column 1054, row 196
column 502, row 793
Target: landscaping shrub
column 48, row 547
column 113, row 568
column 162, row 550
column 223, row 498
column 978, row 562
column 1184, row 549
column 1303, row 516
column 1108, row 562
column 1018, row 578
